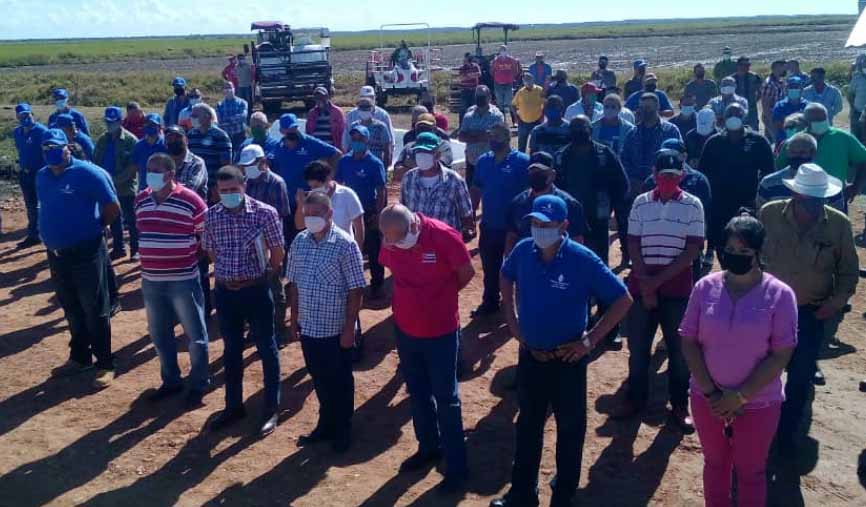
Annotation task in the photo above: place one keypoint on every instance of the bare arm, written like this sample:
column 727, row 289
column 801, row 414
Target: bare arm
column 109, row 213
column 613, row 316
column 358, row 228
column 293, row 303
column 353, row 307
column 682, row 262
column 464, row 275
column 275, row 260
column 506, row 286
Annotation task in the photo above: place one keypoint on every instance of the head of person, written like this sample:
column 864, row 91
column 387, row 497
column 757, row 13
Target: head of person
column 467, row 58
column 259, row 126
column 649, row 108
column 794, row 124
column 55, row 149
column 253, row 162
column 365, row 106
column 318, row 212
column 503, row 50
column 735, row 117
column 650, row 82
column 560, row 76
column 539, row 57
column 133, row 111
column 554, row 108
column 500, row 139
column 548, row 221
column 612, row 106
column 699, row 71
column 528, row 80
column 687, row 104
column 318, row 176
column 195, row 97
column 403, row 44
column 743, row 65
column 728, row 86
column 860, row 63
column 233, row 60
column 794, row 89
column 639, row 67
column 426, row 122
column 228, row 90
column 289, row 130
column 705, row 122
column 818, row 76
column 726, row 53
column 743, row 242
column 175, row 141
column 160, row 172
column 66, row 123
column 668, row 172
column 152, row 127
column 113, row 118
column 811, row 186
column 676, row 146
column 231, row 185
column 367, row 92
column 202, row 116
column 179, row 85
column 800, row 149
column 400, row 227
column 779, row 68
column 426, row 153
column 793, row 67
column 24, row 115
column 541, row 173
column 602, row 62
column 417, row 111
column 482, row 96
column 428, row 101
column 360, row 140
column 322, row 96
column 580, row 130
column 241, row 58
column 816, row 114
column 590, row 92
column 61, row 98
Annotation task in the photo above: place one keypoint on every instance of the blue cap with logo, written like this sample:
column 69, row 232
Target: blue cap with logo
column 288, row 121
column 794, row 81
column 54, row 136
column 548, row 208
column 178, row 81
column 674, row 144
column 362, row 130
column 113, row 114
column 23, row 107
column 153, row 118
column 60, row 94
column 64, row 120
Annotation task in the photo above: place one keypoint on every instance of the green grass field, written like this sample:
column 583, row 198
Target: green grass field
column 45, row 52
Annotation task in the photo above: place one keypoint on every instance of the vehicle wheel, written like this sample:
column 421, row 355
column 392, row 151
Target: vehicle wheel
column 382, row 99
column 272, row 107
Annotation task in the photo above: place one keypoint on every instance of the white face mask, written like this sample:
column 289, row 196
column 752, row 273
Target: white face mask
column 252, row 172
column 156, row 181
column 728, row 90
column 315, row 224
column 424, row 161
column 365, row 115
column 734, row 123
column 60, row 104
column 194, row 100
column 409, row 241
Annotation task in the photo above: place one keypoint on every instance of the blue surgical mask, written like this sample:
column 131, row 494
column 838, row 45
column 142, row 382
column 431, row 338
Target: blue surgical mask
column 795, row 93
column 688, row 110
column 359, row 146
column 54, row 156
column 151, row 130
column 155, row 181
column 232, row 200
column 545, row 236
column 60, row 104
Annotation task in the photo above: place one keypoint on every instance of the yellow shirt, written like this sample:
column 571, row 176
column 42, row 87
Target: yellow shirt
column 529, row 104
column 820, row 264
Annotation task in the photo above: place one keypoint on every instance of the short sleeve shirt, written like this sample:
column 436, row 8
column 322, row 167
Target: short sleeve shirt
column 474, row 121
column 365, row 176
column 290, row 164
column 347, row 207
column 499, row 184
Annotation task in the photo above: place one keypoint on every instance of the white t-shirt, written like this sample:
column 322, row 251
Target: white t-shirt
column 347, row 207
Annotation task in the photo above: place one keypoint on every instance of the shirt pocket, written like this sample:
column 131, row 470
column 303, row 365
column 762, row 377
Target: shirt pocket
column 329, row 273
column 825, row 256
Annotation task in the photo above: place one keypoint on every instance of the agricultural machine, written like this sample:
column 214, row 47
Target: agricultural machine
column 403, row 70
column 483, row 61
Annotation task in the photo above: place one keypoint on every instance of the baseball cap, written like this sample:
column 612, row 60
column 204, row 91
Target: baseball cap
column 288, row 121
column 360, row 129
column 794, row 81
column 23, row 107
column 60, row 94
column 113, row 114
column 726, row 50
column 426, row 119
column 541, row 158
column 250, row 154
column 367, row 92
column 674, row 144
column 174, row 129
column 54, row 136
column 427, row 142
column 539, row 53
column 178, row 81
column 639, row 63
column 650, row 76
column 64, row 120
column 548, row 208
column 590, row 87
column 668, row 161
column 153, row 118
column 322, row 91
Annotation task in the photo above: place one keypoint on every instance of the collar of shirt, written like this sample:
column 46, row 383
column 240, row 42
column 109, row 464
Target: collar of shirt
column 788, row 212
column 657, row 195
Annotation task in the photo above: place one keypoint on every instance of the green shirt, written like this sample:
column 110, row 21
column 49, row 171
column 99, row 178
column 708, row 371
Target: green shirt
column 838, row 150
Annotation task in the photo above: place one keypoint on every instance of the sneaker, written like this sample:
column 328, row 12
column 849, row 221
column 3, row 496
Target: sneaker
column 70, row 368
column 28, row 242
column 227, row 417
column 103, row 379
column 818, row 379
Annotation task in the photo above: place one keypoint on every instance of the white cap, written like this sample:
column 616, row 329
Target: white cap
column 813, row 181
column 250, row 154
column 367, row 92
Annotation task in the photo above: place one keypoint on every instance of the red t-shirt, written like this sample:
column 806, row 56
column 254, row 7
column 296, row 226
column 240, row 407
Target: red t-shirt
column 505, row 70
column 425, row 280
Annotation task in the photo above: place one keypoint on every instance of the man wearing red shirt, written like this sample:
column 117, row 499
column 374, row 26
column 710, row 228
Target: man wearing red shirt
column 505, row 70
column 430, row 265
column 470, row 77
column 230, row 72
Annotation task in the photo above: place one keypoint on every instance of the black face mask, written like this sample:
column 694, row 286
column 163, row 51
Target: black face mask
column 650, row 88
column 737, row 264
column 174, row 147
column 179, row 91
column 796, row 162
column 482, row 101
column 580, row 136
column 538, row 181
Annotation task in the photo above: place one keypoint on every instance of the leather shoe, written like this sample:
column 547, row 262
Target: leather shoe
column 164, row 392
column 420, row 460
column 626, row 410
column 315, row 436
column 269, row 424
column 681, row 418
column 614, row 343
column 227, row 417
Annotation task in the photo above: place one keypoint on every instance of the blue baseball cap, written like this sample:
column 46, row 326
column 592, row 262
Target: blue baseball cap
column 794, row 81
column 23, row 107
column 60, row 94
column 113, row 114
column 64, row 120
column 54, row 136
column 673, row 144
column 360, row 129
column 288, row 121
column 153, row 118
column 548, row 208
column 178, row 81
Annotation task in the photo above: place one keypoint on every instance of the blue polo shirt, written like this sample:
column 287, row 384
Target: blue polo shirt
column 290, row 164
column 86, row 144
column 29, row 146
column 141, row 152
column 553, row 299
column 269, row 147
column 785, row 107
column 363, row 176
column 69, row 204
column 77, row 118
column 499, row 184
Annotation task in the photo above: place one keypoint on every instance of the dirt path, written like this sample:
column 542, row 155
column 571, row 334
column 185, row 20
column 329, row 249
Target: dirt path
column 64, row 445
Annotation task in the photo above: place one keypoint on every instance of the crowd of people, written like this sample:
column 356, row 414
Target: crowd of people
column 286, row 223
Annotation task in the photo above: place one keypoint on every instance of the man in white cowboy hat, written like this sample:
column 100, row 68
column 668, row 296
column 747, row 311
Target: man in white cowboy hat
column 809, row 246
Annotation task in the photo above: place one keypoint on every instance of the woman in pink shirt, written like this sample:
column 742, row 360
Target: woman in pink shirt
column 739, row 331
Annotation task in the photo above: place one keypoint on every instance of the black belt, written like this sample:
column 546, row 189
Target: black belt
column 82, row 247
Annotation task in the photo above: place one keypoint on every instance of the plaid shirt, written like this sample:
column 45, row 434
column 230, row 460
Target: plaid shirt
column 772, row 92
column 238, row 240
column 447, row 200
column 641, row 144
column 232, row 114
column 474, row 122
column 270, row 189
column 192, row 174
column 324, row 272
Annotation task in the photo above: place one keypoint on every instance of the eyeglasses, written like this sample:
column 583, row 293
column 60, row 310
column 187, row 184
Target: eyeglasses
column 49, row 147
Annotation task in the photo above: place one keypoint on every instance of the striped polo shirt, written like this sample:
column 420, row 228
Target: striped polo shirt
column 169, row 234
column 664, row 230
column 213, row 146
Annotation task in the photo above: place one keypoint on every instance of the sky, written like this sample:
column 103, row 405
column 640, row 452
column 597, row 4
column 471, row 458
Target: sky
column 29, row 19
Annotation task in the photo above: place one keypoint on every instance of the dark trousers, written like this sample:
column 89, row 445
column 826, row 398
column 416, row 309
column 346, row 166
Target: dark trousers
column 622, row 212
column 429, row 367
column 126, row 220
column 80, row 282
column 467, row 99
column 598, row 241
column 246, row 93
column 27, row 180
column 111, row 277
column 541, row 386
column 469, row 173
column 801, row 370
column 330, row 366
column 204, row 278
column 372, row 246
column 523, row 131
column 235, row 308
column 642, row 325
column 491, row 246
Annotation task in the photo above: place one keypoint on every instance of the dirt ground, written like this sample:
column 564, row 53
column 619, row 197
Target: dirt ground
column 67, row 445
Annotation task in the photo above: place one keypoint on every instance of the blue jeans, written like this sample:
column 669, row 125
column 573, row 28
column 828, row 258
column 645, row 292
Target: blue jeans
column 429, row 366
column 27, row 180
column 167, row 303
column 801, row 370
column 256, row 306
